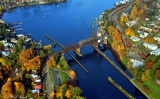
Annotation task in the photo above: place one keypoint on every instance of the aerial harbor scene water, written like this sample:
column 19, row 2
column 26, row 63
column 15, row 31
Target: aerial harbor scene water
column 79, row 49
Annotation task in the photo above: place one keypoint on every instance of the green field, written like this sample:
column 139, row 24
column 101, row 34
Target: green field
column 154, row 88
column 63, row 76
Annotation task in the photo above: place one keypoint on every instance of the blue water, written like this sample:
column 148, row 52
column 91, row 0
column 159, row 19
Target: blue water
column 71, row 22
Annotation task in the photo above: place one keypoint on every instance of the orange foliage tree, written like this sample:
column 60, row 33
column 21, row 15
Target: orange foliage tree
column 25, row 55
column 140, row 13
column 33, row 64
column 51, row 61
column 52, row 95
column 134, row 12
column 72, row 73
column 19, row 88
column 137, row 2
column 59, row 94
column 68, row 94
column 129, row 32
column 150, row 40
column 7, row 89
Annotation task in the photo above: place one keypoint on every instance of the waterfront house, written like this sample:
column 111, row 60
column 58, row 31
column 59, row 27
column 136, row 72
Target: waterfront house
column 135, row 39
column 155, row 52
column 136, row 63
column 150, row 46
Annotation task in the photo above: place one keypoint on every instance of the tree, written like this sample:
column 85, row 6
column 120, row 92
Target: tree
column 72, row 73
column 68, row 94
column 75, row 91
column 52, row 95
column 110, row 29
column 47, row 47
column 7, row 89
column 42, row 54
column 51, row 61
column 19, row 87
column 137, row 2
column 4, row 33
column 129, row 32
column 33, row 64
column 134, row 12
column 25, row 55
column 140, row 13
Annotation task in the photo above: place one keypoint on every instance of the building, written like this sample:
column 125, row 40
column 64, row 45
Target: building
column 155, row 52
column 136, row 63
column 135, row 39
column 150, row 46
column 131, row 23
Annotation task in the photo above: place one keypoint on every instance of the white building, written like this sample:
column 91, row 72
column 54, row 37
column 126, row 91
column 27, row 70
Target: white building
column 157, row 38
column 143, row 35
column 131, row 23
column 155, row 52
column 135, row 38
column 136, row 63
column 150, row 46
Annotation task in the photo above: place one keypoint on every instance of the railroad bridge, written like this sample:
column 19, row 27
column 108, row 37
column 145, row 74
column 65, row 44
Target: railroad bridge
column 76, row 47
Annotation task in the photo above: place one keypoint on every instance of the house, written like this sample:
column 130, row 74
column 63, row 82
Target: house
column 36, row 91
column 157, row 38
column 155, row 52
column 34, row 76
column 135, row 39
column 150, row 46
column 5, row 53
column 136, row 63
column 13, row 40
column 131, row 23
column 143, row 34
column 37, row 86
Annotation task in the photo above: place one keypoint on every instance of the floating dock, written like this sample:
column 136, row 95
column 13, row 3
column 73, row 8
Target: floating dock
column 120, row 88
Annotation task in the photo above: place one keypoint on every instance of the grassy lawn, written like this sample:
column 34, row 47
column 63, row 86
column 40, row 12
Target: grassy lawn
column 154, row 88
column 63, row 76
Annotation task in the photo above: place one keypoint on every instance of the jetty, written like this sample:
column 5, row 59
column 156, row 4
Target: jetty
column 68, row 53
column 120, row 88
column 120, row 70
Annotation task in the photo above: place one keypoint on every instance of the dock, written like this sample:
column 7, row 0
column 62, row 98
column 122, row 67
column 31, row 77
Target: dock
column 68, row 53
column 120, row 88
column 121, row 71
column 111, row 62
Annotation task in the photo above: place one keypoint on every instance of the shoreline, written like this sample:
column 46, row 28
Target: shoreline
column 12, row 8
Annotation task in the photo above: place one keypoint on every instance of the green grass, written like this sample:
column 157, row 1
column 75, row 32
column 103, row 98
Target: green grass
column 63, row 76
column 155, row 89
column 50, row 74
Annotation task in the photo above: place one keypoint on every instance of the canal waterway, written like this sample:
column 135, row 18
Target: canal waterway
column 68, row 23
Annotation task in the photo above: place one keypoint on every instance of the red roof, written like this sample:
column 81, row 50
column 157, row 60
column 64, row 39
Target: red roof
column 37, row 86
column 149, row 65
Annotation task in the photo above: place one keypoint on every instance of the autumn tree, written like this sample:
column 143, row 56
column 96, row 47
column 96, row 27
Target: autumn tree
column 52, row 95
column 47, row 47
column 7, row 89
column 129, row 32
column 140, row 13
column 110, row 29
column 150, row 40
column 68, row 94
column 59, row 95
column 134, row 12
column 19, row 88
column 137, row 2
column 33, row 64
column 25, row 55
column 51, row 61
